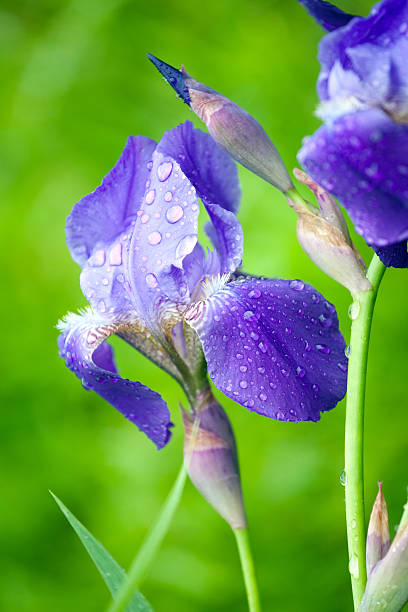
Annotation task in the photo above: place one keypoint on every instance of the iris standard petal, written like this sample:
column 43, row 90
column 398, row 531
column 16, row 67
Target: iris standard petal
column 385, row 26
column 326, row 14
column 362, row 159
column 103, row 214
column 81, row 344
column 214, row 175
column 273, row 346
column 164, row 233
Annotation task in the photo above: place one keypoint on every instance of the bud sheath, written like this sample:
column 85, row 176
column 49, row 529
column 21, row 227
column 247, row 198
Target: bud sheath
column 378, row 534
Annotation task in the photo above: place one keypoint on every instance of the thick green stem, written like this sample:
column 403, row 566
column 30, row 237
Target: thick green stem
column 150, row 546
column 248, row 569
column 361, row 313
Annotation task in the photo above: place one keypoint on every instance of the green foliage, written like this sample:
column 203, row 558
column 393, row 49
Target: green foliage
column 75, row 83
column 109, row 569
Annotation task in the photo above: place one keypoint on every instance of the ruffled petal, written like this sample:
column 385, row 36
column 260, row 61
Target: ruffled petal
column 101, row 216
column 326, row 14
column 214, row 175
column 164, row 234
column 362, row 159
column 273, row 346
column 81, row 344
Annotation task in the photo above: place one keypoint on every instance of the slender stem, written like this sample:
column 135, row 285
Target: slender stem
column 151, row 545
column 361, row 314
column 248, row 569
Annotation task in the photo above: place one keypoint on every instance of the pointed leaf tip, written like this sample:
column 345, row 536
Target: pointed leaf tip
column 112, row 573
column 175, row 78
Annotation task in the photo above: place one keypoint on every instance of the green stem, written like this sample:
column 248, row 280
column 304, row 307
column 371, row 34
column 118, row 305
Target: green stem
column 151, row 545
column 361, row 314
column 248, row 569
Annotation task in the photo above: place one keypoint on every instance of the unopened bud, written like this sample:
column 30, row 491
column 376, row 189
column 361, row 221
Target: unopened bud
column 387, row 585
column 324, row 236
column 235, row 130
column 378, row 534
column 211, row 459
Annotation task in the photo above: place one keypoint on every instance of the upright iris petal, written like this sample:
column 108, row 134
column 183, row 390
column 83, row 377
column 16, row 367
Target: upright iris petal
column 326, row 14
column 273, row 346
column 360, row 154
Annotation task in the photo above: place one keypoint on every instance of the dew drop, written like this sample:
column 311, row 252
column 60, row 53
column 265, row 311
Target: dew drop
column 151, row 280
column 154, row 238
column 243, row 368
column 347, row 351
column 354, row 310
column 101, row 306
column 115, row 256
column 248, row 314
column 174, row 213
column 168, row 196
column 150, row 196
column 262, row 347
column 105, row 282
column 164, row 171
column 343, row 478
column 300, row 372
column 342, row 366
column 325, row 321
column 322, row 348
column 239, row 356
column 98, row 258
column 297, row 285
column 186, row 245
column 255, row 293
column 315, row 388
column 243, row 384
column 263, row 397
column 145, row 218
column 261, row 370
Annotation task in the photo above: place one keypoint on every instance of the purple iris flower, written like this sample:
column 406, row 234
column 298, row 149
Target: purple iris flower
column 272, row 345
column 360, row 154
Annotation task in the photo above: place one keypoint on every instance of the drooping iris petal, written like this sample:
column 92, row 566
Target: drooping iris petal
column 362, row 158
column 101, row 216
column 273, row 346
column 80, row 344
column 326, row 14
column 214, row 175
column 395, row 255
column 164, row 233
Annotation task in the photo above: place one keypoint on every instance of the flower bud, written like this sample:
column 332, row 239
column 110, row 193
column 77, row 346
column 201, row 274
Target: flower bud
column 387, row 585
column 378, row 534
column 211, row 459
column 324, row 236
column 235, row 130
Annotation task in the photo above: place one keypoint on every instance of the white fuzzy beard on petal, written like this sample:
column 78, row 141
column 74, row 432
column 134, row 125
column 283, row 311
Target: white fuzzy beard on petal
column 212, row 284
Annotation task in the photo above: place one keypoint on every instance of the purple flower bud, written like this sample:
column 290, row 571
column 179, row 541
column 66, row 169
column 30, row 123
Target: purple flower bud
column 235, row 130
column 324, row 236
column 211, row 458
column 387, row 585
column 378, row 534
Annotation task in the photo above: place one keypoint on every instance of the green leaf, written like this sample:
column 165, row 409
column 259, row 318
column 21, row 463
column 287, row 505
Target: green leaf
column 112, row 573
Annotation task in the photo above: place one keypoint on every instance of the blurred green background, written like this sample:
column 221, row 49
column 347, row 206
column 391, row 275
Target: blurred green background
column 75, row 83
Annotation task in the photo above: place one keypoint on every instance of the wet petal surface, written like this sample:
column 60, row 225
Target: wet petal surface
column 273, row 346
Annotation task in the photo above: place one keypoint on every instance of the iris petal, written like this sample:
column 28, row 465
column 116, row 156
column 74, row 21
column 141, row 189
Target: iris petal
column 273, row 346
column 326, row 14
column 215, row 177
column 82, row 345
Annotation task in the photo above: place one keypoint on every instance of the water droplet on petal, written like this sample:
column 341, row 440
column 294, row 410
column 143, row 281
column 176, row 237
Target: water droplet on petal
column 248, row 314
column 101, row 306
column 243, row 368
column 300, row 372
column 150, row 196
column 168, row 196
column 115, row 256
column 174, row 213
column 342, row 366
column 98, row 258
column 154, row 238
column 263, row 397
column 262, row 347
column 186, row 245
column 151, row 280
column 239, row 356
column 145, row 218
column 323, row 349
column 297, row 285
column 261, row 370
column 255, row 293
column 243, row 384
column 164, row 171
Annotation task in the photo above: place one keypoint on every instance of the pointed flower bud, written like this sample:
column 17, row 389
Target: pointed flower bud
column 211, row 459
column 378, row 534
column 324, row 236
column 235, row 130
column 387, row 585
